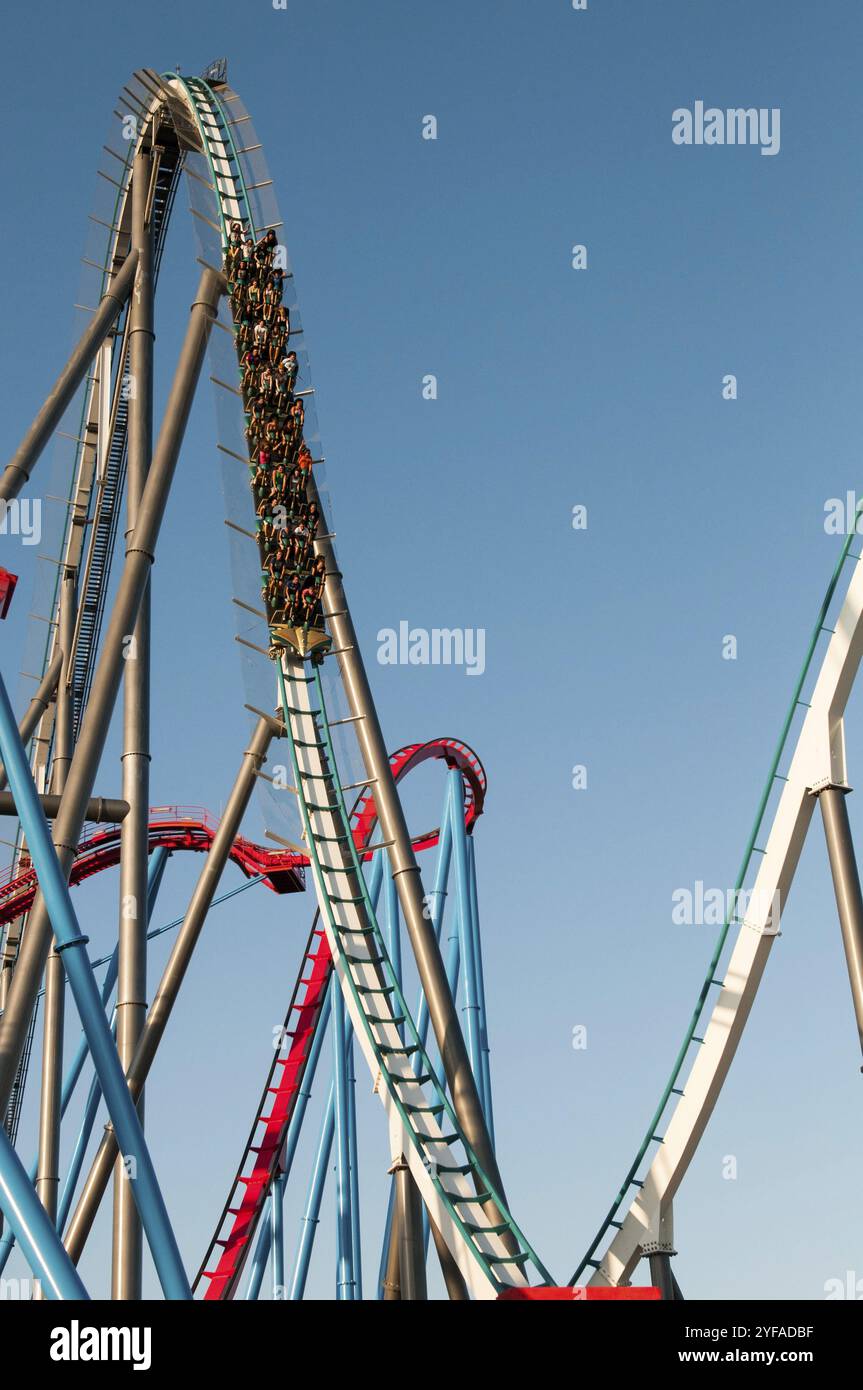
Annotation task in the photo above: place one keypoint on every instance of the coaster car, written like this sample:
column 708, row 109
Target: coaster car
column 305, row 641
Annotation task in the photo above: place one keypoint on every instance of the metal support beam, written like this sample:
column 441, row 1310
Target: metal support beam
column 388, row 1279
column 403, row 865
column 135, row 758
column 172, row 978
column 48, row 1168
column 158, row 860
column 277, row 1200
column 480, row 984
column 412, row 1270
column 661, row 1275
column 658, row 1252
column 470, row 1007
column 38, row 705
column 353, row 1153
column 344, row 1238
column 101, row 810
column 63, row 922
column 312, row 1208
column 846, row 884
column 18, row 471
column 33, row 953
column 34, row 1230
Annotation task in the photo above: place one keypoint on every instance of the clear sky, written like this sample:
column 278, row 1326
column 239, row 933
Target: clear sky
column 604, row 647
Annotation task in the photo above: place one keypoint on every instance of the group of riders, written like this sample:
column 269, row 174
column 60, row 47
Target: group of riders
column 293, row 578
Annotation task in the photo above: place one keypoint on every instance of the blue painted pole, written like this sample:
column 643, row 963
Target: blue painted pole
column 462, row 882
column 155, row 874
column 437, row 903
column 480, row 985
column 311, row 1215
column 392, row 926
column 262, row 1250
column 88, row 1119
column 31, row 1224
column 258, row 1262
column 277, row 1198
column 436, row 906
column 344, row 1251
column 356, row 1242
column 158, row 860
column 72, row 945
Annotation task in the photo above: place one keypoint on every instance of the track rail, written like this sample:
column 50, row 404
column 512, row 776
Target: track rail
column 482, row 1236
column 818, row 762
column 281, row 870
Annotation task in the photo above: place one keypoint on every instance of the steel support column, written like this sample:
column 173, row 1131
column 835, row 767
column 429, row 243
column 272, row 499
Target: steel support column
column 661, row 1275
column 344, row 1242
column 100, row 810
column 471, row 1008
column 64, row 924
column 353, row 1155
column 33, row 953
column 412, row 1269
column 48, row 1167
column 277, row 1199
column 34, row 1230
column 70, row 1080
column 158, row 861
column 135, row 758
column 846, row 884
column 18, row 472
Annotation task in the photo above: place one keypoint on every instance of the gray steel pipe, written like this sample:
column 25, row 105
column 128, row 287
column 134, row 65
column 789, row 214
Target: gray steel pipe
column 412, row 1269
column 99, row 809
column 172, row 978
column 846, row 885
column 661, row 1275
column 48, row 1163
column 36, row 942
column 128, row 1243
column 18, row 472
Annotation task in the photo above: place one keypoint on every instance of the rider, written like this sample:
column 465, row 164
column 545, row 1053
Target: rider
column 259, row 336
column 250, row 363
column 313, row 592
column 266, row 383
column 279, row 332
column 270, row 302
column 290, row 366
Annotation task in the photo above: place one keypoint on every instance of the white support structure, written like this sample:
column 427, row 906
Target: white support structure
column 819, row 761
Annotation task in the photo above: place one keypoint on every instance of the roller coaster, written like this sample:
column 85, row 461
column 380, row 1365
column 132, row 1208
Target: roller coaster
column 339, row 825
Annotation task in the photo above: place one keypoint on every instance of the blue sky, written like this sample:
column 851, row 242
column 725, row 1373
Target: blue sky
column 556, row 387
